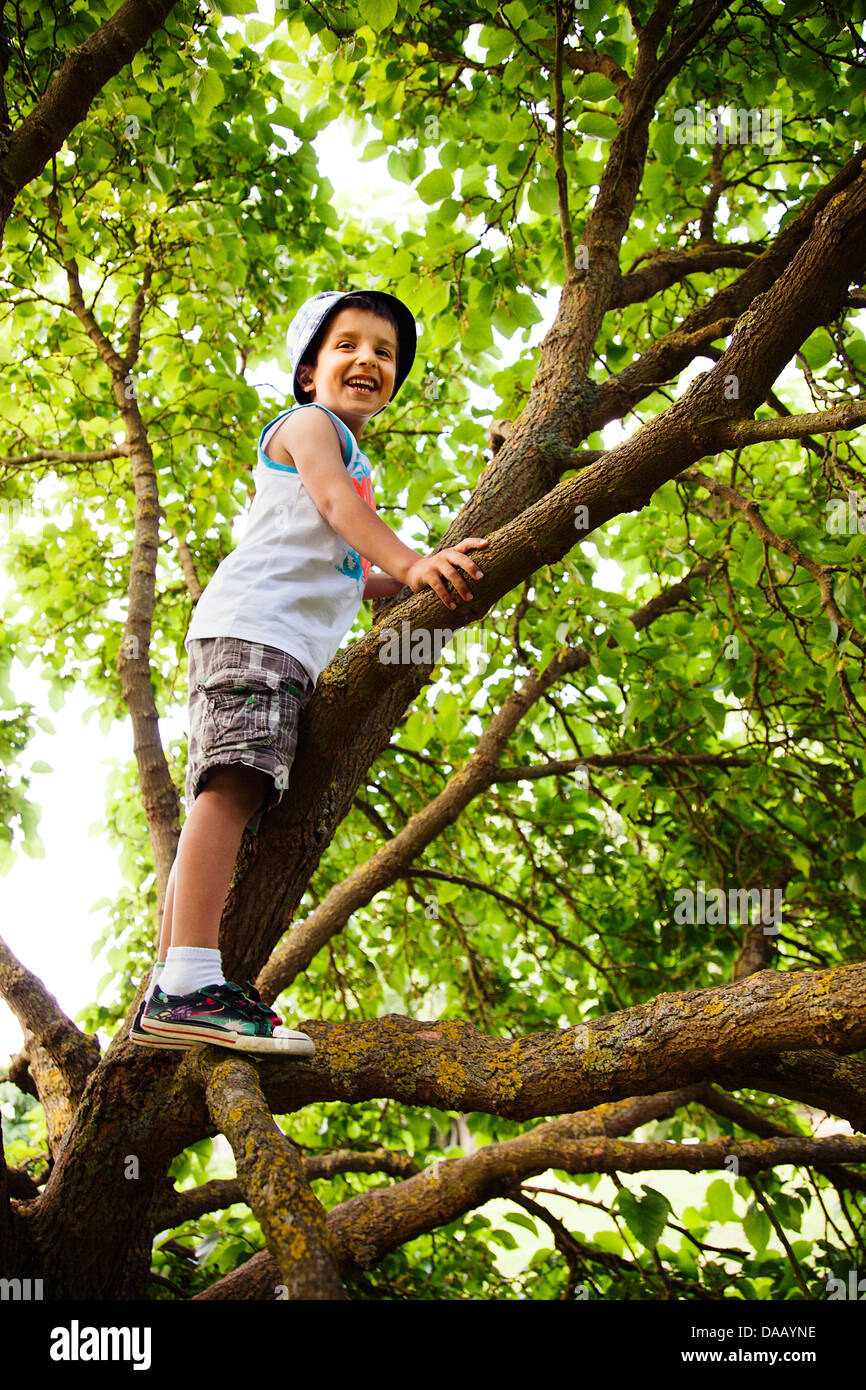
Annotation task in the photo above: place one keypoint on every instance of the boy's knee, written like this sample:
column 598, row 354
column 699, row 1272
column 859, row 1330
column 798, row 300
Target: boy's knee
column 243, row 787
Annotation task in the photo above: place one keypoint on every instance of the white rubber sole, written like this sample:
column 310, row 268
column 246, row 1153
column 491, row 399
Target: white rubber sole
column 151, row 1040
column 291, row 1044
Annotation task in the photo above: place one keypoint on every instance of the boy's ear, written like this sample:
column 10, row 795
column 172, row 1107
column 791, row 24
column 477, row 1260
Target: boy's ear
column 305, row 375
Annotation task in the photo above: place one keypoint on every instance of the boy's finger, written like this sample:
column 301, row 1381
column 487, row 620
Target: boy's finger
column 444, row 595
column 456, row 578
column 469, row 567
column 436, row 582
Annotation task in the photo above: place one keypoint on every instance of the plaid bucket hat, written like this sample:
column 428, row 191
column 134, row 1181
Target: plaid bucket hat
column 312, row 315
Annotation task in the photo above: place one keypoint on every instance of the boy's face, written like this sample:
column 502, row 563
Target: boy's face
column 356, row 368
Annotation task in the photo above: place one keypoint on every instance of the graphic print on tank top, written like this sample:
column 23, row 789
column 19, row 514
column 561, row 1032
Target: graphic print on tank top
column 354, row 565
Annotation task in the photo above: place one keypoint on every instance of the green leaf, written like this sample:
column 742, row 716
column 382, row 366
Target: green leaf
column 435, row 186
column 505, row 1239
column 257, row 29
column 646, row 1217
column 543, row 197
column 598, row 124
column 818, row 349
column 519, row 1218
column 379, row 14
column 211, row 93
column 594, row 86
column 515, row 13
column 720, row 1200
column 858, row 798
column 756, row 1225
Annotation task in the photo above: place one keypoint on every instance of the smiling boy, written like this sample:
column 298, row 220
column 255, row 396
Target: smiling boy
column 268, row 623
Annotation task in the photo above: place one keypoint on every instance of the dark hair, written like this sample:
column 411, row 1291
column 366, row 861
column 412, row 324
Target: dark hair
column 360, row 300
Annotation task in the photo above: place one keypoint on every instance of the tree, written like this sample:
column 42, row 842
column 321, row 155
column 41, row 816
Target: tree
column 53, row 88
column 618, row 875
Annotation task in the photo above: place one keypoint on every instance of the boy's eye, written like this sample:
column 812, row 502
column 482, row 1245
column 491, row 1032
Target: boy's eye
column 348, row 343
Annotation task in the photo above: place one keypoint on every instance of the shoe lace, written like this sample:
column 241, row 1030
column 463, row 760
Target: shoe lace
column 250, row 1001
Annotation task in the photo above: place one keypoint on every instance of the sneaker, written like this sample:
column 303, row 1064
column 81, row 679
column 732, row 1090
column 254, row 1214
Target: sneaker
column 138, row 1035
column 251, row 992
column 225, row 1016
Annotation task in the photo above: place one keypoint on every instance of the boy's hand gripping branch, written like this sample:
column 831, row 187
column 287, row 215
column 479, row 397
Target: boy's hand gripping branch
column 310, row 445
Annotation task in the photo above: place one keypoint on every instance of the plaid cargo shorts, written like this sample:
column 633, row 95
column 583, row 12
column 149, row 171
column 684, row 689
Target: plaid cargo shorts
column 244, row 702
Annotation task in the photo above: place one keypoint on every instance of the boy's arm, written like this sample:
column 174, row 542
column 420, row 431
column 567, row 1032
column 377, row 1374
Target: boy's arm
column 382, row 586
column 311, row 445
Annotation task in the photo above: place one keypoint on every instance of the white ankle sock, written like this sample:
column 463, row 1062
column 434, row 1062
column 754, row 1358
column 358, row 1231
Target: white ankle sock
column 155, row 977
column 190, row 968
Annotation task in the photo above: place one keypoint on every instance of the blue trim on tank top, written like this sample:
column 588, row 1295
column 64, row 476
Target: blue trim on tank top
column 288, row 468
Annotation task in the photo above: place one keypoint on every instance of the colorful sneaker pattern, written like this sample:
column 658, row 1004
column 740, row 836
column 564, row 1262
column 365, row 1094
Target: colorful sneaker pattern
column 225, row 1016
column 138, row 1035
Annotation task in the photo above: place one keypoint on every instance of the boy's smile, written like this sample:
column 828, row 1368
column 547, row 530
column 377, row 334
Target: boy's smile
column 356, row 368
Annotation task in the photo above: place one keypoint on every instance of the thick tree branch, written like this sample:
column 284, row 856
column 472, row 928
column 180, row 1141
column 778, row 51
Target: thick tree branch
column 670, row 268
column 739, row 433
column 451, row 1065
column 817, row 1079
column 808, row 293
column 363, row 1239
column 478, row 773
column 369, row 1226
column 271, row 1175
column 564, row 404
column 74, row 1053
column 730, row 1109
column 374, row 1223
column 188, row 1204
column 545, row 438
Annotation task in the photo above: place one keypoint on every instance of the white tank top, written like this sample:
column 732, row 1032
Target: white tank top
column 291, row 582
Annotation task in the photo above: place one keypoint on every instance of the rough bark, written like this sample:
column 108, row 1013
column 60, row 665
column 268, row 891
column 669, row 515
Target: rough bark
column 271, row 1174
column 678, row 1038
column 741, row 1115
column 138, row 1110
column 356, row 1246
column 525, row 468
column 369, row 1226
column 59, row 1056
column 834, row 1084
column 460, row 1070
column 177, row 1207
column 391, row 861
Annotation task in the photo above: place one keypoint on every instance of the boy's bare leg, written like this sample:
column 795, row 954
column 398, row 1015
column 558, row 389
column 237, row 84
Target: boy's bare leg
column 167, row 909
column 206, row 854
column 199, row 881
